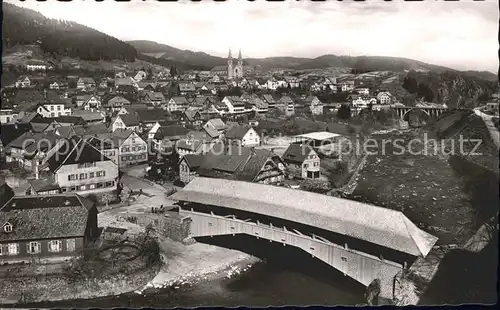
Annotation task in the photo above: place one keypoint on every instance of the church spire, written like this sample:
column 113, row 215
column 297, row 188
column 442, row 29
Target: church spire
column 229, row 57
column 239, row 55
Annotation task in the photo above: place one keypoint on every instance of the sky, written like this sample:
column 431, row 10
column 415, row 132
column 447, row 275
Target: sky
column 459, row 34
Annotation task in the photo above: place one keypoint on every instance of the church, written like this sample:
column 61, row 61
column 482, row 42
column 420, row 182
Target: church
column 233, row 69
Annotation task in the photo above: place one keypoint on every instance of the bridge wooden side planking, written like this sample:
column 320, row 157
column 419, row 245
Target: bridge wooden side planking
column 360, row 266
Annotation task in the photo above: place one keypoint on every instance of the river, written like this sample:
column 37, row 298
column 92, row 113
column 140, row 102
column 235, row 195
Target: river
column 286, row 276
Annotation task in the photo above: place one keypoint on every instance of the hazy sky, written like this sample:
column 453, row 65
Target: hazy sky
column 461, row 34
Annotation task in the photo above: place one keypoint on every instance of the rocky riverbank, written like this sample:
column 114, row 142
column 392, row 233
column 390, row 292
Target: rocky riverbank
column 189, row 264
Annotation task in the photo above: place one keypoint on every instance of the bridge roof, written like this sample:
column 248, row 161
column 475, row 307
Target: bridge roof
column 385, row 227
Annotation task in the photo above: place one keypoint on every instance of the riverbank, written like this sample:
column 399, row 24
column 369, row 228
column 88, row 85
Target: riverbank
column 58, row 287
column 190, row 264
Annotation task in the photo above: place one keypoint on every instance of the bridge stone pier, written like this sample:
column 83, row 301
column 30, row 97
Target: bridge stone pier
column 361, row 241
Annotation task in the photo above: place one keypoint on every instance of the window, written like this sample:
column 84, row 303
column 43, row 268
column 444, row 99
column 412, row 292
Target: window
column 34, row 247
column 92, row 186
column 124, row 158
column 13, row 248
column 52, row 114
column 55, row 246
column 83, row 176
column 70, row 245
column 344, row 259
column 306, row 165
column 316, row 164
column 7, row 227
column 58, row 107
column 83, row 187
column 52, row 108
column 72, row 177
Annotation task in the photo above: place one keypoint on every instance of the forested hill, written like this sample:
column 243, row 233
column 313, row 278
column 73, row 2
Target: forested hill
column 60, row 38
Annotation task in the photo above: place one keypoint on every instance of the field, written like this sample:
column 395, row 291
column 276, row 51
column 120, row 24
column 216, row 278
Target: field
column 21, row 55
column 423, row 187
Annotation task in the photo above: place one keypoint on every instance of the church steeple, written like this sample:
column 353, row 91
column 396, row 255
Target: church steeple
column 229, row 56
column 239, row 55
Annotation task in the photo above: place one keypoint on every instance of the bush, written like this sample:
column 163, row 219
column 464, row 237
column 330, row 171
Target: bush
column 316, row 185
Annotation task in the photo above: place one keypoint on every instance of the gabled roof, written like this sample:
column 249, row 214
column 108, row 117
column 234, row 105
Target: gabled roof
column 90, row 130
column 211, row 132
column 174, row 132
column 70, row 119
column 187, row 87
column 194, row 161
column 118, row 100
column 151, row 115
column 77, row 152
column 268, row 98
column 194, row 140
column 237, row 132
column 217, row 123
column 381, row 226
column 180, row 100
column 129, row 119
column 297, row 153
column 89, row 116
column 10, row 132
column 45, row 217
column 190, row 114
column 40, row 185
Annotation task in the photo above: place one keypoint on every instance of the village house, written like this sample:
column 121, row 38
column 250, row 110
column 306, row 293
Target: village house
column 54, row 85
column 141, row 75
column 345, row 86
column 23, row 82
column 235, row 163
column 7, row 115
column 208, row 88
column 216, row 124
column 83, row 168
column 286, row 105
column 314, row 105
column 132, row 149
column 178, row 103
column 36, row 66
column 42, row 187
column 105, row 144
column 304, row 158
column 126, row 121
column 384, row 98
column 269, row 99
column 330, row 83
column 234, row 104
column 89, row 102
column 292, row 81
column 46, row 228
column 126, row 81
column 188, row 165
column 52, row 109
column 166, row 136
column 154, row 98
column 258, row 105
column 196, row 142
column 91, row 117
column 31, row 150
column 271, row 84
column 363, row 91
column 192, row 116
column 116, row 103
column 85, row 82
column 242, row 135
column 186, row 88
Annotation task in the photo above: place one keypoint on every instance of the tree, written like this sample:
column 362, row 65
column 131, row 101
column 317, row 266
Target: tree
column 173, row 71
column 344, row 112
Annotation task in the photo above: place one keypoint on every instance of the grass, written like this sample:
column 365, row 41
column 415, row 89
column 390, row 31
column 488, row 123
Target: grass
column 424, row 188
